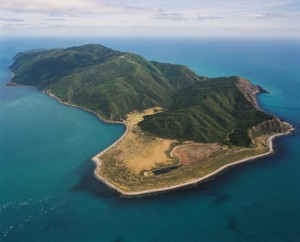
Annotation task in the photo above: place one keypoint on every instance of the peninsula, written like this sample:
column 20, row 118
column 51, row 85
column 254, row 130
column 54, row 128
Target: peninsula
column 181, row 128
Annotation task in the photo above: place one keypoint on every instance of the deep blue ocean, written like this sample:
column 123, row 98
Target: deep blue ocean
column 47, row 189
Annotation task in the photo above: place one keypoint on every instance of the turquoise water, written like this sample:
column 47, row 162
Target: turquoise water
column 48, row 192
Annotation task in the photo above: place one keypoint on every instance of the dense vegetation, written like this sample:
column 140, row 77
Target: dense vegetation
column 114, row 83
column 109, row 82
column 209, row 111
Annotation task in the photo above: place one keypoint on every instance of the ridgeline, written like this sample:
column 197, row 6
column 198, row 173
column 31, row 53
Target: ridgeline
column 113, row 84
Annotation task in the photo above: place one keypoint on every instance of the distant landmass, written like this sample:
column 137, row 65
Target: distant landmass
column 181, row 128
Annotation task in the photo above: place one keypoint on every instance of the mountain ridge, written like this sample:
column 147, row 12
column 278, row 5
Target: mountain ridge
column 114, row 83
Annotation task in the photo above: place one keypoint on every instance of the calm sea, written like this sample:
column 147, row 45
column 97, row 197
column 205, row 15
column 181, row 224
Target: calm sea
column 48, row 192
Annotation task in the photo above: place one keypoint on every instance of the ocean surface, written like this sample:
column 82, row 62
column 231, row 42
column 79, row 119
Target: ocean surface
column 47, row 189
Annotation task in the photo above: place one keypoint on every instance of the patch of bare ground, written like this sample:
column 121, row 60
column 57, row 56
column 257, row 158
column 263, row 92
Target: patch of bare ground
column 194, row 152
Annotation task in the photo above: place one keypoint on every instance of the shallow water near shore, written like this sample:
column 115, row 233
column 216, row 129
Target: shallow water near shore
column 47, row 188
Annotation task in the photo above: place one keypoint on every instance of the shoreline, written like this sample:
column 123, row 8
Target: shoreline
column 96, row 159
column 48, row 92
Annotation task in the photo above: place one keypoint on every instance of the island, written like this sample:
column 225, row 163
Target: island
column 181, row 129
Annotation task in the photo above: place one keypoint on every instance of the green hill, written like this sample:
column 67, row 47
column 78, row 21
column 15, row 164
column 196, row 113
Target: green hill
column 114, row 83
column 215, row 110
column 109, row 82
